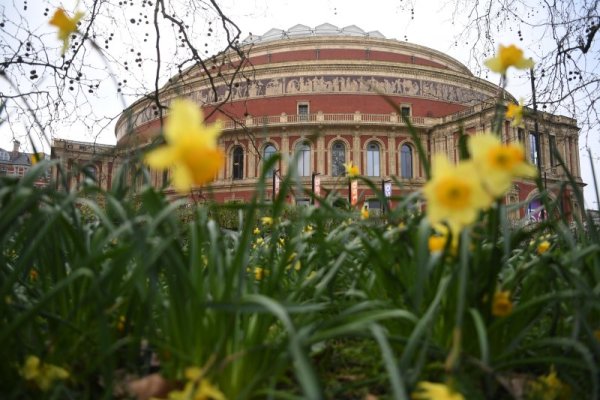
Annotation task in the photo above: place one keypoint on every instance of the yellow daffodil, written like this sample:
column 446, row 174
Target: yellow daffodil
column 297, row 265
column 293, row 264
column 66, row 25
column 514, row 112
column 508, row 56
column 501, row 305
column 33, row 274
column 436, row 243
column 498, row 163
column 267, row 221
column 351, row 170
column 256, row 231
column 259, row 273
column 543, row 246
column 435, row 391
column 454, row 194
column 36, row 158
column 121, row 323
column 191, row 149
column 308, row 229
column 549, row 387
column 42, row 374
column 197, row 388
column 364, row 212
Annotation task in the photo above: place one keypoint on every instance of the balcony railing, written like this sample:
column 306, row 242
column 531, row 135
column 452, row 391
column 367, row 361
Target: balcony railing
column 318, row 118
column 323, row 118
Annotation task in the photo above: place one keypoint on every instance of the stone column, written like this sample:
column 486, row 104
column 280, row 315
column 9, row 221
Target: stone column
column 577, row 161
column 356, row 156
column 320, row 153
column 251, row 157
column 392, row 155
column 569, row 155
column 285, row 152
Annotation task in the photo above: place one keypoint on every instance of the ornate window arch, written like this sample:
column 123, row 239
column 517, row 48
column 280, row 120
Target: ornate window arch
column 373, row 158
column 338, row 158
column 303, row 163
column 90, row 170
column 407, row 161
column 269, row 151
column 237, row 162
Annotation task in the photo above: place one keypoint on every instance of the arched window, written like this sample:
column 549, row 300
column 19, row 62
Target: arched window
column 303, row 150
column 90, row 171
column 406, row 162
column 237, row 170
column 338, row 159
column 269, row 152
column 373, row 159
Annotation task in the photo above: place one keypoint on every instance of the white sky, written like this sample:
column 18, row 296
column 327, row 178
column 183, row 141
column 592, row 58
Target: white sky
column 432, row 26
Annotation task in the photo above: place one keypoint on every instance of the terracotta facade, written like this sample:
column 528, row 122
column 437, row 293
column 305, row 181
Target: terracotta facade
column 321, row 92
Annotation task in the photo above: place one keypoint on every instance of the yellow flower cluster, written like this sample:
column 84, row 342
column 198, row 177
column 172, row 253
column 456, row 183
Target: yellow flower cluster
column 542, row 244
column 435, row 391
column 197, row 388
column 191, row 149
column 41, row 374
column 549, row 387
column 266, row 221
column 296, row 263
column 457, row 193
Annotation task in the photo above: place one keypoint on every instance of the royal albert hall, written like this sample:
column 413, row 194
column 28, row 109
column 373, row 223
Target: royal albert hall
column 317, row 97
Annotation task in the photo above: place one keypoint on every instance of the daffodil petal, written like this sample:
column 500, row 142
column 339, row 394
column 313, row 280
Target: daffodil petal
column 525, row 170
column 495, row 65
column 185, row 119
column 192, row 373
column 161, row 158
column 182, row 179
column 213, row 162
column 524, row 63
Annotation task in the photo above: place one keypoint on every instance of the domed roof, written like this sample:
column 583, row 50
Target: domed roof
column 300, row 30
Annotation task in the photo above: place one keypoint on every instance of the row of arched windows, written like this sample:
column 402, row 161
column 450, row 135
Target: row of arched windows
column 338, row 159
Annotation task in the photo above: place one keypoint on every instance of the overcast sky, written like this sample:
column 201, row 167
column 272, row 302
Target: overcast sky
column 424, row 22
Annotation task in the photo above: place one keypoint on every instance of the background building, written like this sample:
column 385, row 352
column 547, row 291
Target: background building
column 16, row 163
column 84, row 159
column 318, row 93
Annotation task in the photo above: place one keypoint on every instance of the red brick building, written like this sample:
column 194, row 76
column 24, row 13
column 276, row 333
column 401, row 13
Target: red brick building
column 316, row 96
